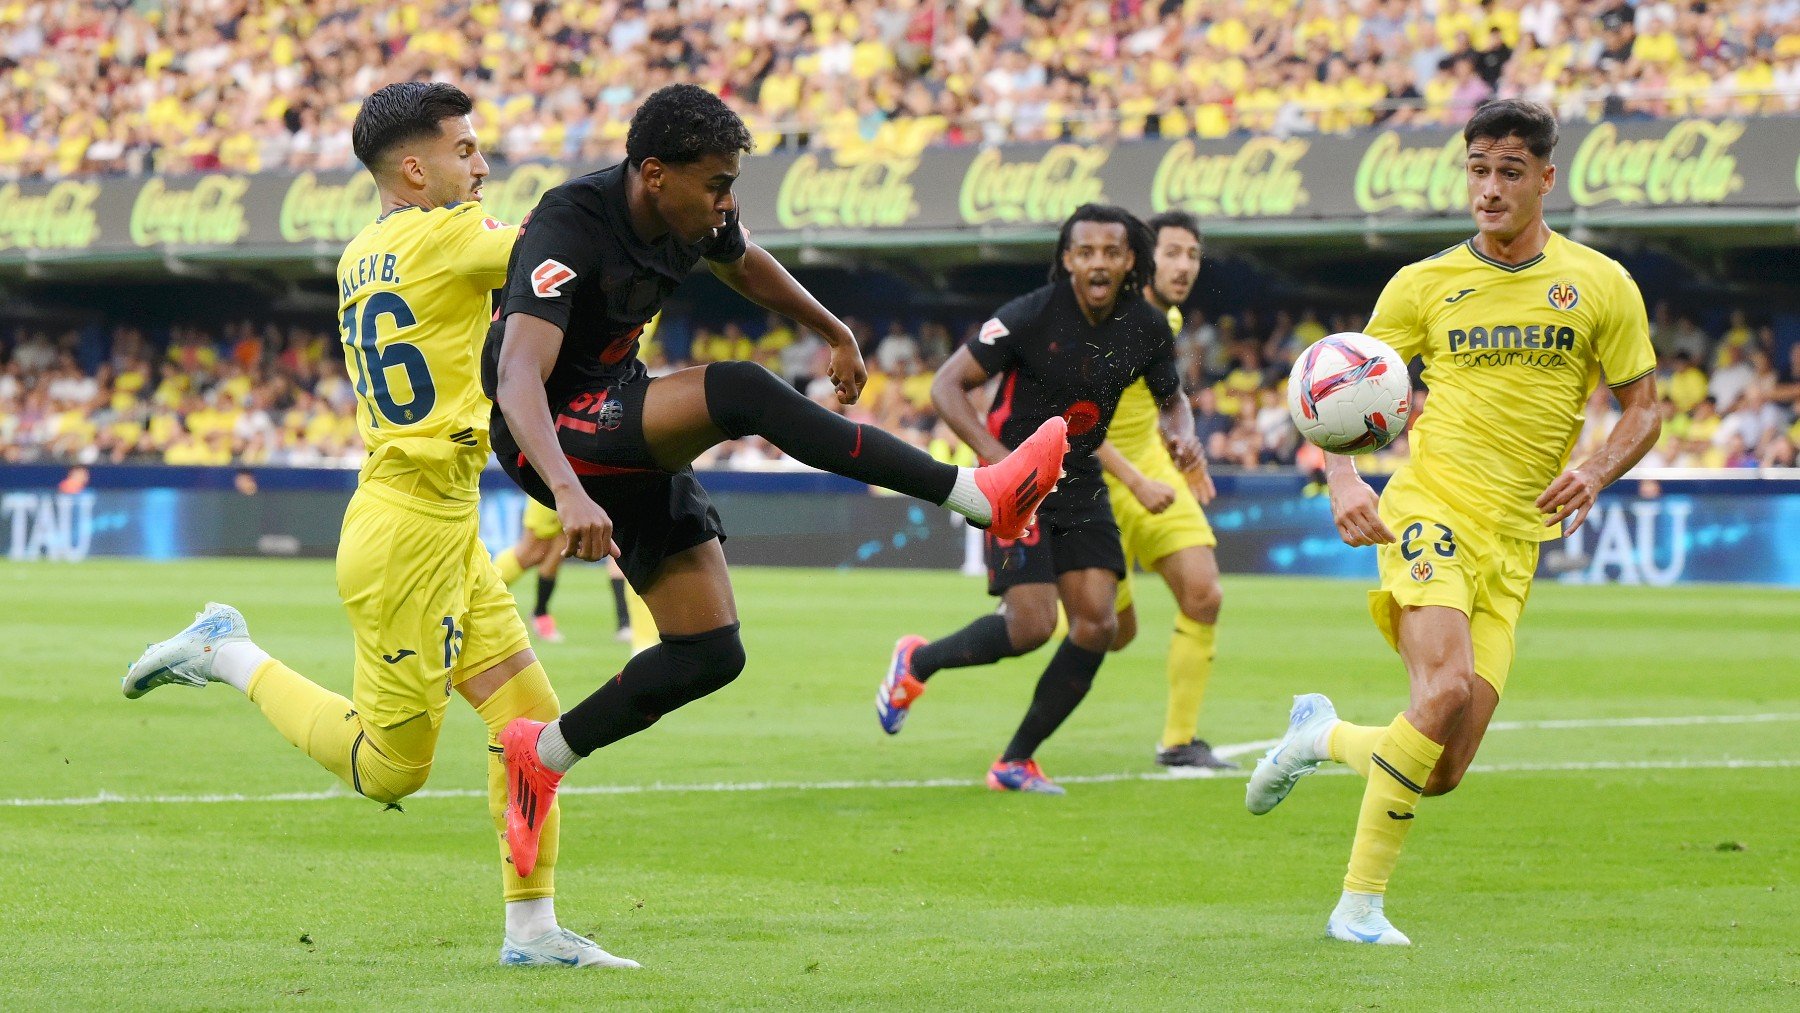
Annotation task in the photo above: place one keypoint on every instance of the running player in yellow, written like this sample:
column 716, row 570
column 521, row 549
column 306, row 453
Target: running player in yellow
column 541, row 547
column 1161, row 524
column 428, row 611
column 1516, row 326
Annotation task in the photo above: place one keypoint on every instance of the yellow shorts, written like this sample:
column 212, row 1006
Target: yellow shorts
column 426, row 605
column 541, row 520
column 1441, row 557
column 1146, row 537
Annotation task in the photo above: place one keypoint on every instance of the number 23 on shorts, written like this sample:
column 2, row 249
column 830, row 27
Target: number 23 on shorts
column 1413, row 543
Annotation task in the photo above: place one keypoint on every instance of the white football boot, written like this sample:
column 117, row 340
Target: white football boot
column 1294, row 757
column 559, row 947
column 1358, row 918
column 186, row 659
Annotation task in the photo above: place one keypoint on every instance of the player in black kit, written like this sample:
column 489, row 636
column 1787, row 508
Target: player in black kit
column 580, row 426
column 1067, row 350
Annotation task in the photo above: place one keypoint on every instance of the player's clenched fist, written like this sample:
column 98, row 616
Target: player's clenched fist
column 588, row 527
column 847, row 372
column 1354, row 511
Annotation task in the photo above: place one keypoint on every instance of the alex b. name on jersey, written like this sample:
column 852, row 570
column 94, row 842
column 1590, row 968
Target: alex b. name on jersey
column 382, row 267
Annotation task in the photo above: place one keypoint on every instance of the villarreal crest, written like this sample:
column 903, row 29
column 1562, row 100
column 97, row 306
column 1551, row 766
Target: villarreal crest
column 1564, row 296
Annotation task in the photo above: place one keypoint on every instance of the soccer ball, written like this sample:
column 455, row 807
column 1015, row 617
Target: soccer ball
column 1349, row 394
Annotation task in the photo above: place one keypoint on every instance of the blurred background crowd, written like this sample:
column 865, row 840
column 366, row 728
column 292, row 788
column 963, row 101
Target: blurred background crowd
column 135, row 86
column 255, row 392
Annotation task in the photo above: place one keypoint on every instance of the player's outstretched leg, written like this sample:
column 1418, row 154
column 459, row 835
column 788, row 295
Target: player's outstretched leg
column 732, row 400
column 1302, row 748
column 188, row 657
column 392, row 763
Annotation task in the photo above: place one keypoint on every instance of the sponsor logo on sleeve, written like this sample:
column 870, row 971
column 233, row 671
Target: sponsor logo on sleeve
column 548, row 278
column 992, row 331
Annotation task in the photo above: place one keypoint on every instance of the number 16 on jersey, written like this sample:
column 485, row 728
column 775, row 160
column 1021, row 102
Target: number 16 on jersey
column 373, row 362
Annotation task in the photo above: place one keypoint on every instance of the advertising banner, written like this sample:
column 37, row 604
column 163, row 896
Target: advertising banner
column 1634, row 172
column 1676, row 532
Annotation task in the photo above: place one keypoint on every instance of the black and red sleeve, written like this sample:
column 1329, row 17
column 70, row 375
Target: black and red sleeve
column 996, row 345
column 555, row 255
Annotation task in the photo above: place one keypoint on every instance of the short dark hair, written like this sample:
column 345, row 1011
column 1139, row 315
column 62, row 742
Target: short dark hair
column 1142, row 240
column 402, row 112
column 1174, row 219
column 1531, row 122
column 682, row 124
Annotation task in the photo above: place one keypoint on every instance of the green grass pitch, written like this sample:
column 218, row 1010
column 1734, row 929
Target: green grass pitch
column 1602, row 863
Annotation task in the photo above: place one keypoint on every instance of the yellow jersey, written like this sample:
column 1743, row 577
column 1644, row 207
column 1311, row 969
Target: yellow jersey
column 1135, row 430
column 413, row 310
column 1511, row 353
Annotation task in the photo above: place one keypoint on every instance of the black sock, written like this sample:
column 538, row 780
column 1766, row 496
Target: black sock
column 744, row 399
column 546, row 588
column 982, row 642
column 619, row 608
column 1059, row 690
column 675, row 672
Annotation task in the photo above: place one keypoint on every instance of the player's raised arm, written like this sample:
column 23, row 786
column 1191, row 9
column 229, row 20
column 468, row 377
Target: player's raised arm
column 759, row 277
column 952, row 393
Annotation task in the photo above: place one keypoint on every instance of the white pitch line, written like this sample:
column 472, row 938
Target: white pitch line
column 1235, row 749
column 1240, row 748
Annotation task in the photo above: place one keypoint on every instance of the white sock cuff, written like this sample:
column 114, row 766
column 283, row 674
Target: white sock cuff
column 1322, row 744
column 528, row 919
column 966, row 498
column 554, row 750
column 236, row 661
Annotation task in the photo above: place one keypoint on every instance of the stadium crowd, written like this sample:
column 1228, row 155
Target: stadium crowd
column 132, row 86
column 256, row 393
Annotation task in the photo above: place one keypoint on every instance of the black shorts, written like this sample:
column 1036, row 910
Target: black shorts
column 1077, row 537
column 655, row 514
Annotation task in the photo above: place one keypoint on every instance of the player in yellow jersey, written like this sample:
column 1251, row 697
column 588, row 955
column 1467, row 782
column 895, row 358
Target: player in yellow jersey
column 428, row 612
column 1516, row 326
column 1161, row 524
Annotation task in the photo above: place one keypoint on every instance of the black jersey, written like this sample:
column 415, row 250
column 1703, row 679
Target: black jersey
column 579, row 264
column 1051, row 361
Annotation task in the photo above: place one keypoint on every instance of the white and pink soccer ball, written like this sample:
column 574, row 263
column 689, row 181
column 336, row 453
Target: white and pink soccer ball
column 1349, row 394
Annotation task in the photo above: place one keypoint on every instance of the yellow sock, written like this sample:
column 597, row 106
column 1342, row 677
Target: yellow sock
column 385, row 764
column 1190, row 665
column 508, row 564
column 1352, row 744
column 1401, row 761
column 1062, row 625
column 526, row 695
column 643, row 625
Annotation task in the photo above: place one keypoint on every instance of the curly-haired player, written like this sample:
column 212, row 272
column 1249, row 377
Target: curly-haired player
column 580, row 424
